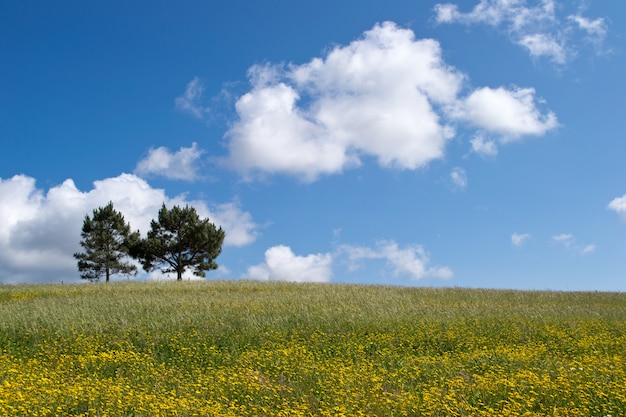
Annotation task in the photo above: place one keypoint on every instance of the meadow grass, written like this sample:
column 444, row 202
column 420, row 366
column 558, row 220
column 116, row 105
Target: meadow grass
column 284, row 349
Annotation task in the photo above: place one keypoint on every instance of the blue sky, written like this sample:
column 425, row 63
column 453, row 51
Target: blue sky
column 470, row 144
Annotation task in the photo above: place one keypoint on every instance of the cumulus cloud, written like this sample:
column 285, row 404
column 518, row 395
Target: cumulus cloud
column 40, row 230
column 411, row 261
column 543, row 29
column 519, row 239
column 372, row 97
column 180, row 165
column 281, row 264
column 511, row 113
column 458, row 176
column 618, row 205
column 240, row 229
column 568, row 241
column 386, row 95
column 191, row 100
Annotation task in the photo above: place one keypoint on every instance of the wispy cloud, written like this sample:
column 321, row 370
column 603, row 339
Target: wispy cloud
column 458, row 176
column 519, row 239
column 543, row 29
column 191, row 100
column 568, row 241
column 412, row 261
column 180, row 165
column 386, row 95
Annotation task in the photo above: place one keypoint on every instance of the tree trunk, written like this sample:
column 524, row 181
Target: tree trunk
column 180, row 275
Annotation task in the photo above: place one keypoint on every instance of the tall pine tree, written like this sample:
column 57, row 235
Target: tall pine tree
column 107, row 240
column 178, row 240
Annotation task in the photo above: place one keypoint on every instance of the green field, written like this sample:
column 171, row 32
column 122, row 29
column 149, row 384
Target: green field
column 282, row 349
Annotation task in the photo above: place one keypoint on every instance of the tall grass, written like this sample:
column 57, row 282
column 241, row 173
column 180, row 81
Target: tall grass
column 251, row 348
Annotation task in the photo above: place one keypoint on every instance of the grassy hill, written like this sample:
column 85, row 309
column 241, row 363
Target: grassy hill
column 285, row 349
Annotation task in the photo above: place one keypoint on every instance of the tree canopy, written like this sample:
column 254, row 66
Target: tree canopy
column 178, row 240
column 107, row 240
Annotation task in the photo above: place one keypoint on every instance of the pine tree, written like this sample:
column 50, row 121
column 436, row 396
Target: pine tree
column 178, row 240
column 107, row 240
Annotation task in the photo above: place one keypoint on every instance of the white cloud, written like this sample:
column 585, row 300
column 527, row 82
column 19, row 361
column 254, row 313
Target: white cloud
column 191, row 101
column 588, row 249
column 564, row 239
column 569, row 242
column 373, row 97
column 596, row 29
column 544, row 30
column 511, row 113
column 484, row 147
column 412, row 261
column 40, row 230
column 386, row 95
column 180, row 165
column 618, row 205
column 541, row 44
column 281, row 264
column 241, row 229
column 519, row 239
column 459, row 178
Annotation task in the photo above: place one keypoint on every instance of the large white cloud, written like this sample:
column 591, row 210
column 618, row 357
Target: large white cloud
column 372, row 97
column 385, row 95
column 180, row 165
column 40, row 230
column 281, row 264
column 545, row 30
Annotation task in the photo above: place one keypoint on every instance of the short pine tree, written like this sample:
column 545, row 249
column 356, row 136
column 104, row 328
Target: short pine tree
column 107, row 240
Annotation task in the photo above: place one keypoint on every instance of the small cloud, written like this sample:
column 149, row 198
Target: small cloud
column 519, row 239
column 544, row 45
column 191, row 100
column 180, row 165
column 459, row 178
column 484, row 147
column 510, row 112
column 618, row 205
column 281, row 264
column 564, row 239
column 588, row 249
column 569, row 242
column 412, row 261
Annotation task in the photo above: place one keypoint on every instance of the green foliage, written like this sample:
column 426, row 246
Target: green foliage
column 107, row 240
column 178, row 240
